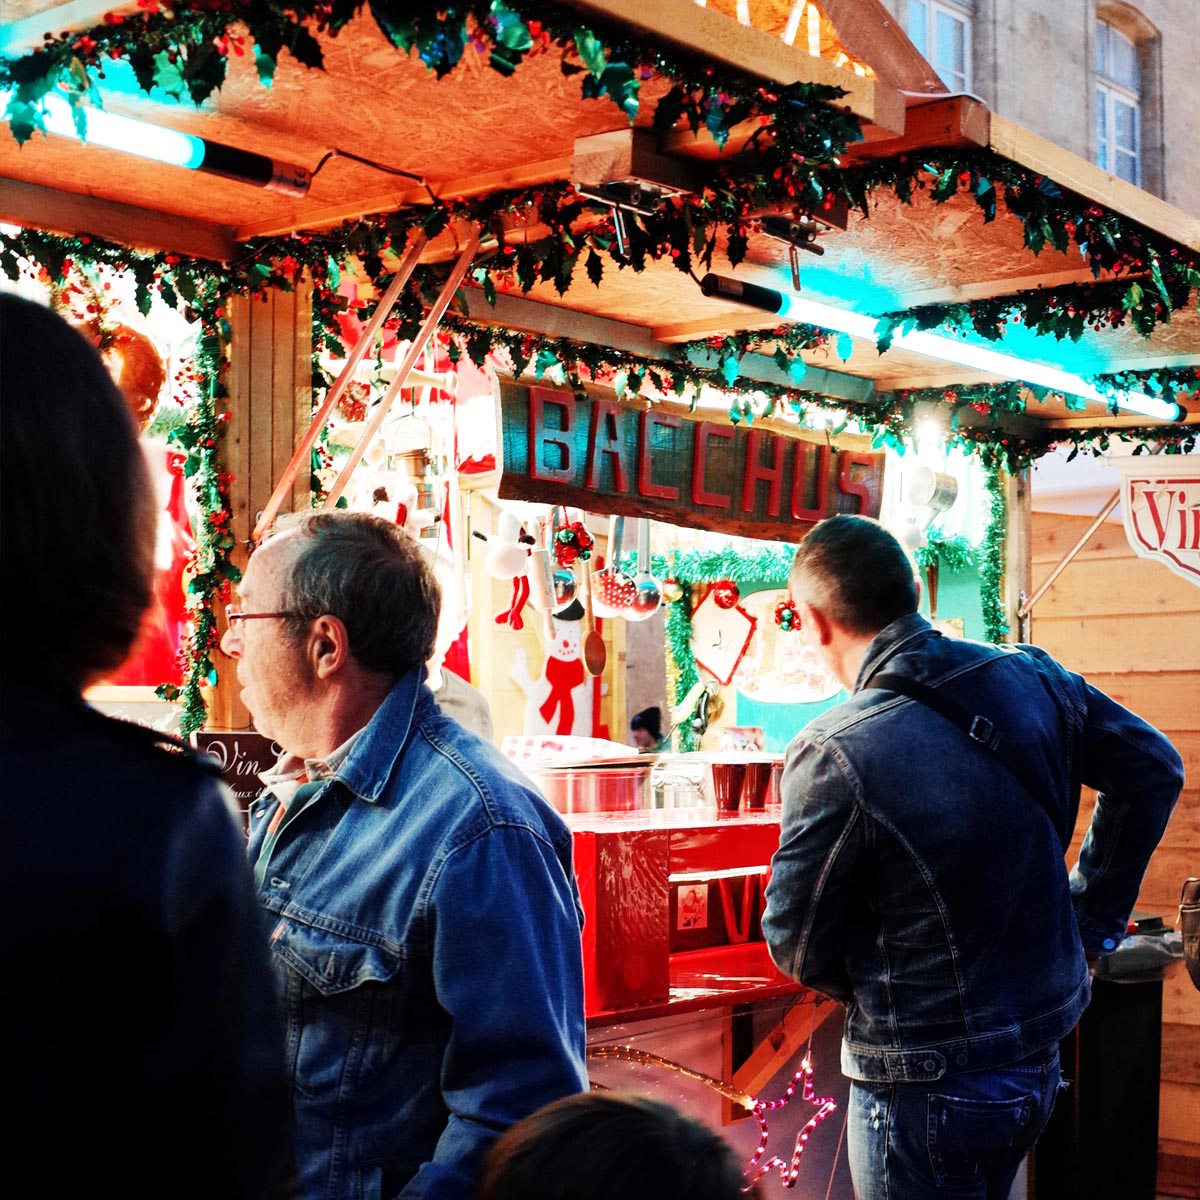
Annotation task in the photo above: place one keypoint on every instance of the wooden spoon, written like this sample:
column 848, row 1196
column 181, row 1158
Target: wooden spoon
column 595, row 653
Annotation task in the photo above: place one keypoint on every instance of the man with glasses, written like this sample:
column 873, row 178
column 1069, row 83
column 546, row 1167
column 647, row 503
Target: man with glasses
column 425, row 920
column 920, row 875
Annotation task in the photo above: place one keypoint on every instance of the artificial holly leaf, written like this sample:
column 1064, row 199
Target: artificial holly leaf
column 23, row 120
column 845, row 346
column 1156, row 276
column 729, row 368
column 797, row 369
column 591, row 51
column 1132, row 297
column 168, row 75
column 668, row 110
column 985, row 197
column 204, row 72
column 737, row 245
column 141, row 59
column 595, row 267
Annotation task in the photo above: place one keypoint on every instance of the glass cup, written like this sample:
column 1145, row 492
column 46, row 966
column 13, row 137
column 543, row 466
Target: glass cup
column 728, row 779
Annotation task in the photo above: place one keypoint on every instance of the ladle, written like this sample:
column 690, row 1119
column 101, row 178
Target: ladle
column 595, row 653
column 647, row 591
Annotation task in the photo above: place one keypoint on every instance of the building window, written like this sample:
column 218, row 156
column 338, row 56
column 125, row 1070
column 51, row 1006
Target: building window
column 1118, row 104
column 941, row 31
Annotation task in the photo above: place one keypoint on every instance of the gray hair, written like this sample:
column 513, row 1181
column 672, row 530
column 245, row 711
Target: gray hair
column 856, row 573
column 370, row 575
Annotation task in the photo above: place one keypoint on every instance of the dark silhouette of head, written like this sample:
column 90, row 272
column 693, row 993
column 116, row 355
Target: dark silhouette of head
column 647, row 724
column 605, row 1146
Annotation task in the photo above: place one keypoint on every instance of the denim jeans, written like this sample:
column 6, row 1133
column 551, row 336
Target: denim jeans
column 962, row 1135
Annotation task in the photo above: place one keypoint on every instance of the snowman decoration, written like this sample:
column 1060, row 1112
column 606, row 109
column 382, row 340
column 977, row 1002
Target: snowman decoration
column 559, row 701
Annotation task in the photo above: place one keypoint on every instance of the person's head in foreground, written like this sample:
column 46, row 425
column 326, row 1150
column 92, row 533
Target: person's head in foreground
column 608, row 1146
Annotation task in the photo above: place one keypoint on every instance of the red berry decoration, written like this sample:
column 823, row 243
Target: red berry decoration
column 726, row 594
column 672, row 591
column 571, row 542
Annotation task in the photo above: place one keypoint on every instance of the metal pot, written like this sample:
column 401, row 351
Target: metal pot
column 594, row 789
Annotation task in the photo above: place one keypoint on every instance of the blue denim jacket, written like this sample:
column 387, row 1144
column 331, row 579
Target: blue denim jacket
column 919, row 883
column 426, row 933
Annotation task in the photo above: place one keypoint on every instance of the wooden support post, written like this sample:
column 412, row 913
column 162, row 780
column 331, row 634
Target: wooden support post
column 1018, row 554
column 270, row 407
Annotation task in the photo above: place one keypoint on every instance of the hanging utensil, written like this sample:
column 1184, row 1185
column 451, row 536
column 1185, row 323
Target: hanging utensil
column 612, row 589
column 647, row 591
column 595, row 653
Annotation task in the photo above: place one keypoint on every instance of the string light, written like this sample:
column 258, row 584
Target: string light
column 759, row 1165
column 826, row 1106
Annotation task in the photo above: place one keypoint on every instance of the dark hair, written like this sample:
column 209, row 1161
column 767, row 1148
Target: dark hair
column 855, row 572
column 77, row 509
column 649, row 719
column 601, row 1145
column 374, row 578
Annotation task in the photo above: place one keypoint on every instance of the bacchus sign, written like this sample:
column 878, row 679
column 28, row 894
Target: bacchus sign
column 665, row 462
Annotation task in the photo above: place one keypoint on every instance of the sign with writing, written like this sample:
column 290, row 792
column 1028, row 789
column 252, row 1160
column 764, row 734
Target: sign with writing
column 591, row 451
column 1160, row 500
column 242, row 755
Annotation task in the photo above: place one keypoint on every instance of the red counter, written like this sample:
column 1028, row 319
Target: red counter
column 673, row 903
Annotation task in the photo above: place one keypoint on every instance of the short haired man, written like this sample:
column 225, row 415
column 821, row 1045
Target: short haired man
column 920, row 875
column 426, row 924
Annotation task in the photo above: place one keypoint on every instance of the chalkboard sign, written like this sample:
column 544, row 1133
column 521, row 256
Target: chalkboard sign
column 242, row 755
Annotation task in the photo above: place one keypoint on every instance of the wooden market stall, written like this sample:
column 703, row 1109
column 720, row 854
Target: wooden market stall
column 652, row 199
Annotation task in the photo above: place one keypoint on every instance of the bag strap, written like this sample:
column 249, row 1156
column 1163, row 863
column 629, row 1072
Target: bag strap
column 978, row 728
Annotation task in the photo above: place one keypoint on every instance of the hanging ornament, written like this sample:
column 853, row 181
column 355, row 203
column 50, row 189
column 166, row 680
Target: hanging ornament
column 572, row 541
column 672, row 591
column 786, row 616
column 352, row 405
column 726, row 593
column 564, row 589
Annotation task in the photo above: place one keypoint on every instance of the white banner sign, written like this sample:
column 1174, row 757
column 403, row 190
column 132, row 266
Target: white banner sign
column 1160, row 499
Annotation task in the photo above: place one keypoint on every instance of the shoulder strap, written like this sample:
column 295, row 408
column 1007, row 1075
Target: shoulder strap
column 978, row 728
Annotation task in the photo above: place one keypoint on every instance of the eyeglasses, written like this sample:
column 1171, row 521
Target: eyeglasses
column 234, row 615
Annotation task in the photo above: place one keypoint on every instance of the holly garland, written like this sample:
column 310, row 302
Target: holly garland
column 793, row 159
column 682, row 672
column 210, row 571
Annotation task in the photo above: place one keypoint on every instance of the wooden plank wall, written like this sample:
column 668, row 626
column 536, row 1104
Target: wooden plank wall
column 1133, row 628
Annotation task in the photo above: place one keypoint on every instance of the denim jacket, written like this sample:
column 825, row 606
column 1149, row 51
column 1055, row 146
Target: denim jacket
column 917, row 881
column 426, row 932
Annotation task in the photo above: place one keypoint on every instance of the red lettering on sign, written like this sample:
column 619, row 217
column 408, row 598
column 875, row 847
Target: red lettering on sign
column 800, row 511
column 604, row 438
column 705, row 430
column 846, row 481
column 540, row 438
column 757, row 473
column 649, row 421
column 1160, row 522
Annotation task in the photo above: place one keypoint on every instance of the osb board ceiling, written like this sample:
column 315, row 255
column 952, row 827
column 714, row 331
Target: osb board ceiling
column 475, row 130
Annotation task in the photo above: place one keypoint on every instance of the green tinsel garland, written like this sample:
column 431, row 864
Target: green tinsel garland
column 953, row 552
column 991, row 558
column 681, row 664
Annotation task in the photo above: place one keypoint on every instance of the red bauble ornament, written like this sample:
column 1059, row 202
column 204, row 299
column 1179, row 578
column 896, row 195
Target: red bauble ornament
column 726, row 594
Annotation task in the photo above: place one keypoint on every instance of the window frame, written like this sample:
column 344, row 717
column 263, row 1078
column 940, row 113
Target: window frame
column 962, row 12
column 1109, row 93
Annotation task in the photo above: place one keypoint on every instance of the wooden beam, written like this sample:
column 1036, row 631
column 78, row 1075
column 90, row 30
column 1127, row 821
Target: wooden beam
column 944, row 121
column 56, row 211
column 711, row 36
column 513, row 312
column 872, row 35
column 1070, row 171
column 781, row 1045
column 321, row 216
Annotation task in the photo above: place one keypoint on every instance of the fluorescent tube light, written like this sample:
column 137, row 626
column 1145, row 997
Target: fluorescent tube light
column 132, row 136
column 935, row 345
